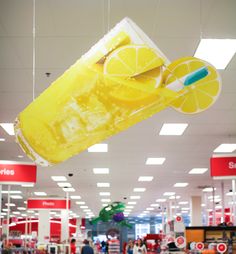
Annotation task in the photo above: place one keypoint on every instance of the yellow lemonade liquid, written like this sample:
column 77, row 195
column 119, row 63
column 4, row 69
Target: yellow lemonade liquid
column 84, row 106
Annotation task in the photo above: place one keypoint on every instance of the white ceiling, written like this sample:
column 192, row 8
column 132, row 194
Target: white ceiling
column 67, row 29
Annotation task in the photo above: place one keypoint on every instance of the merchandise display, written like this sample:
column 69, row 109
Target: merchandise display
column 120, row 81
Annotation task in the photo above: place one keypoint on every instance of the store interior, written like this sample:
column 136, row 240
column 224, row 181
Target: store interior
column 155, row 174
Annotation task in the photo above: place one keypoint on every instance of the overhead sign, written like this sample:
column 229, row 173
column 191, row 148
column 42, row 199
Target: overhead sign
column 47, row 204
column 223, row 167
column 14, row 172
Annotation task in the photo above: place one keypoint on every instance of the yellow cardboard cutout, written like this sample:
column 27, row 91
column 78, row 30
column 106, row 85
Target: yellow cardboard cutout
column 121, row 80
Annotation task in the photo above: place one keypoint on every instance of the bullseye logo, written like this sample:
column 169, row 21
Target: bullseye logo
column 180, row 242
column 178, row 219
column 199, row 246
column 221, row 247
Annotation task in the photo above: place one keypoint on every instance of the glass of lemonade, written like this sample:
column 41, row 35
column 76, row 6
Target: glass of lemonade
column 113, row 86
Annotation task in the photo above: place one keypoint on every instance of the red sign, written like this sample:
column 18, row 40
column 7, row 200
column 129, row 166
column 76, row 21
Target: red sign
column 221, row 247
column 223, row 167
column 180, row 242
column 47, row 204
column 199, row 246
column 17, row 172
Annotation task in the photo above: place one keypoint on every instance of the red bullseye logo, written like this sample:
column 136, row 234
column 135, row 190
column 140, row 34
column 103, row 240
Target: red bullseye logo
column 221, row 247
column 199, row 246
column 178, row 218
column 180, row 242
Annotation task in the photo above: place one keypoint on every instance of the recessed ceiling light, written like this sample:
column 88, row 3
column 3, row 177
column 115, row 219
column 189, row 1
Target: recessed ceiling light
column 75, row 197
column 21, row 208
column 150, row 209
column 175, row 129
column 197, row 171
column 127, row 210
column 155, row 161
column 174, row 197
column 104, row 205
column 208, row 189
column 105, row 200
column 98, row 148
column 64, row 184
column 101, row 170
column 9, row 128
column 134, row 197
column 59, row 178
column 146, row 211
column 27, row 185
column 80, row 202
column 169, row 193
column 183, row 202
column 154, row 205
column 104, row 193
column 15, row 212
column 132, row 203
column 40, row 193
column 203, row 205
column 214, row 197
column 103, row 184
column 16, row 197
column 88, row 211
column 68, row 189
column 229, row 193
column 2, row 139
column 83, row 206
column 10, row 204
column 180, row 185
column 185, row 208
column 139, row 189
column 145, row 178
column 218, row 52
column 20, row 156
column 161, row 200
column 5, row 209
column 129, row 206
column 225, row 148
column 11, row 192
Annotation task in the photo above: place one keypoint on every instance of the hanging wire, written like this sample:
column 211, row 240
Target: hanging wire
column 108, row 14
column 33, row 60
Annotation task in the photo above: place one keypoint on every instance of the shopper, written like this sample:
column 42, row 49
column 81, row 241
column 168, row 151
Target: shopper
column 129, row 247
column 73, row 246
column 139, row 248
column 87, row 249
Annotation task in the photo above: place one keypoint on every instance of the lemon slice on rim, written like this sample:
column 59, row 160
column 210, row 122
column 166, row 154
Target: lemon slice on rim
column 199, row 95
column 134, row 72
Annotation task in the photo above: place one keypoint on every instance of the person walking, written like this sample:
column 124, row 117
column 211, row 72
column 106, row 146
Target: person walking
column 87, row 249
column 130, row 247
column 139, row 248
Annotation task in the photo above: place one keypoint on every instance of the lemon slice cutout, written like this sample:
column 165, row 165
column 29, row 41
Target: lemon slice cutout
column 201, row 94
column 134, row 72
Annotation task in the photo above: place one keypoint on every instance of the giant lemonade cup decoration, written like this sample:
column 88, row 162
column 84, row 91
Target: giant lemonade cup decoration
column 120, row 81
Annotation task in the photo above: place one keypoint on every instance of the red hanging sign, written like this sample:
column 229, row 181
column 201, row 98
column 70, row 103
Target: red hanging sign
column 47, row 204
column 223, row 167
column 12, row 172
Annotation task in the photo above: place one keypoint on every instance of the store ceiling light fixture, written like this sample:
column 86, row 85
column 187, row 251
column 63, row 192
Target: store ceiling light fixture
column 181, row 185
column 80, row 202
column 75, row 197
column 8, row 128
column 169, row 193
column 59, row 178
column 161, row 200
column 135, row 197
column 105, row 200
column 225, row 148
column 101, row 170
column 27, row 185
column 105, row 185
column 208, row 189
column 68, row 189
column 98, row 148
column 218, row 52
column 198, row 171
column 64, row 184
column 145, row 178
column 16, row 197
column 173, row 129
column 104, row 193
column 139, row 189
column 155, row 161
column 40, row 193
column 2, row 139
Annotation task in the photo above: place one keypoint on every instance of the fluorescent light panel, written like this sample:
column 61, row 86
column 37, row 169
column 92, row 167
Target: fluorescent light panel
column 218, row 52
column 16, row 197
column 2, row 139
column 173, row 129
column 101, row 170
column 145, row 178
column 80, row 203
column 98, row 148
column 103, row 185
column 180, row 185
column 225, row 148
column 64, row 184
column 139, row 189
column 68, row 189
column 59, row 178
column 40, row 193
column 169, row 193
column 27, row 185
column 161, row 200
column 75, row 197
column 134, row 197
column 105, row 200
column 104, row 193
column 208, row 189
column 155, row 161
column 198, row 171
column 9, row 128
